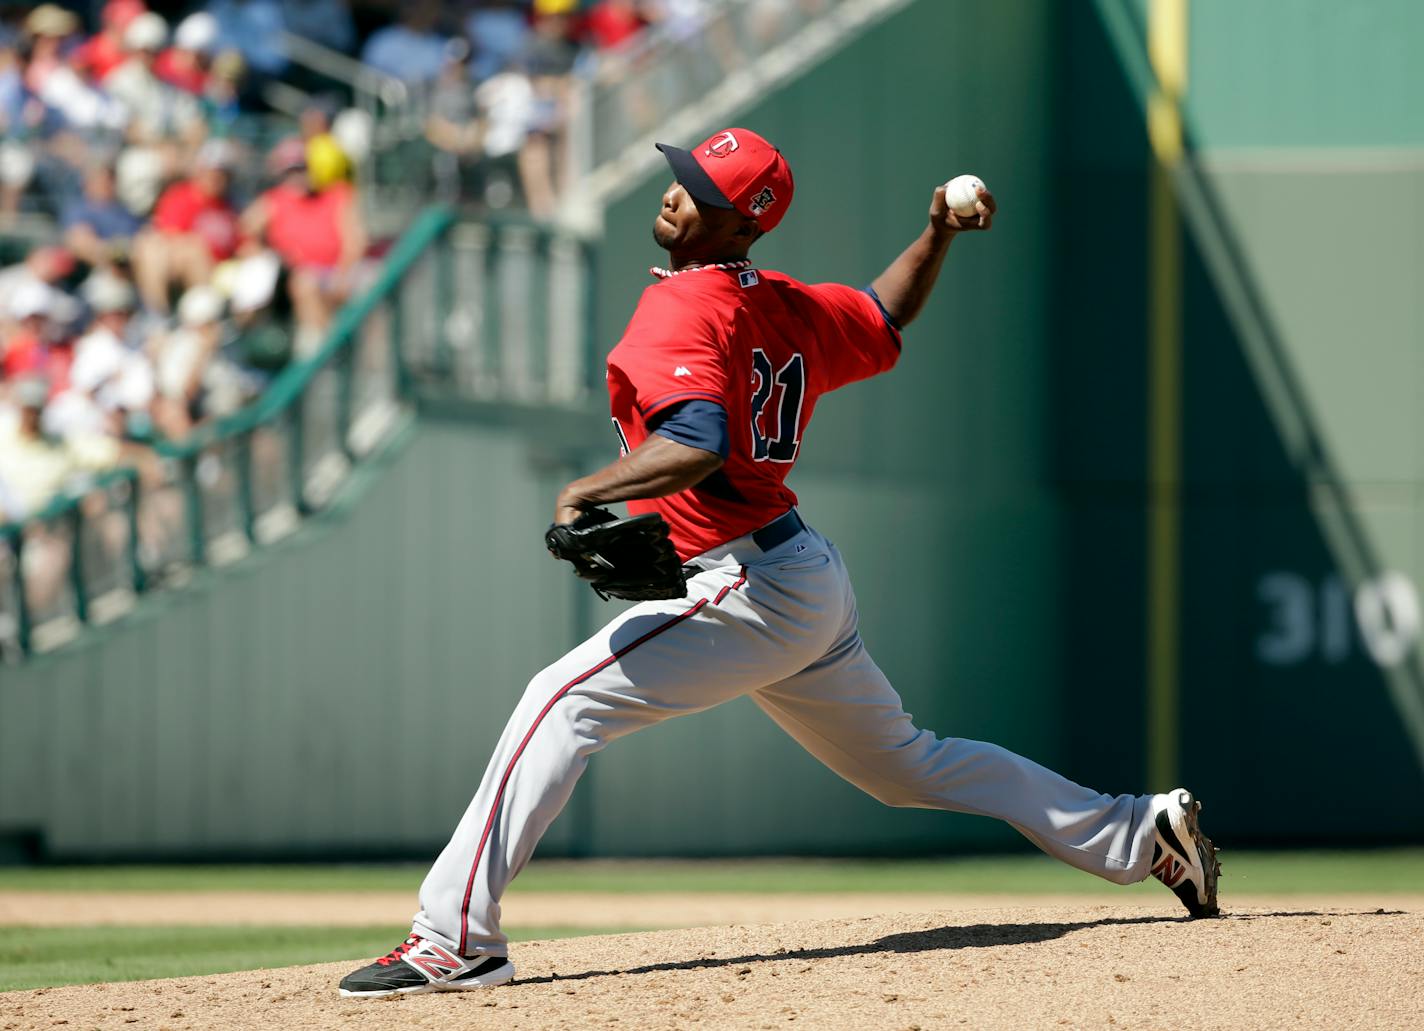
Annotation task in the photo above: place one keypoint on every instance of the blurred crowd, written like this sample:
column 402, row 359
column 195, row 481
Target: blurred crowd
column 184, row 263
column 134, row 329
column 196, row 181
column 190, row 259
column 491, row 79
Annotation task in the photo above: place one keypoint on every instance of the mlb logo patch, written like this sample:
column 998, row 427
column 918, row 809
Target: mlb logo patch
column 763, row 200
column 748, row 278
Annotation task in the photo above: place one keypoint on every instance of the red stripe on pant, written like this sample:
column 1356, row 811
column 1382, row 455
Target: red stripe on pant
column 741, row 579
column 509, row 770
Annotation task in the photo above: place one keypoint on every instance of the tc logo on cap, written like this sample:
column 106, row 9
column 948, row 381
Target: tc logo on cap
column 762, row 200
column 721, row 146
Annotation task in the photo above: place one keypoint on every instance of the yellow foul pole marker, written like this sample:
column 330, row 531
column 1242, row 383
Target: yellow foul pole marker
column 1167, row 50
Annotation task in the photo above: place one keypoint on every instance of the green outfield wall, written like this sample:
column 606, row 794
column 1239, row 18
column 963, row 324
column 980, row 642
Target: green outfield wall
column 339, row 695
column 1299, row 384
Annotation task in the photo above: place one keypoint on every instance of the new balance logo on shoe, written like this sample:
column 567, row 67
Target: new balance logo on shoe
column 1169, row 871
column 434, row 960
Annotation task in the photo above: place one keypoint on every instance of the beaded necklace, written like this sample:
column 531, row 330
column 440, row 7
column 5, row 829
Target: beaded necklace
column 662, row 273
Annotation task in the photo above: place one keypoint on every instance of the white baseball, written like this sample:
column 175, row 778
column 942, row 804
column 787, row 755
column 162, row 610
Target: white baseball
column 960, row 196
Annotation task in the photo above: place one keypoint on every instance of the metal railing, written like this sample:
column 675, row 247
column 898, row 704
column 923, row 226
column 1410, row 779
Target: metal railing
column 373, row 91
column 493, row 312
column 73, row 562
column 505, row 315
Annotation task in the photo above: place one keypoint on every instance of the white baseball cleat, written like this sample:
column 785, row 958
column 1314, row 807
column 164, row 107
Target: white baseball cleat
column 1183, row 858
column 420, row 965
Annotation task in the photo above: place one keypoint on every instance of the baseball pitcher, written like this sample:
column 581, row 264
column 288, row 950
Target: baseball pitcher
column 712, row 390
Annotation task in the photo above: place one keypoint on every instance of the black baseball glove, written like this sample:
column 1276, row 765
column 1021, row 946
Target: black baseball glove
column 621, row 558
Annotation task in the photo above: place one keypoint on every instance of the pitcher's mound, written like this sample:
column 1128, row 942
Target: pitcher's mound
column 1129, row 965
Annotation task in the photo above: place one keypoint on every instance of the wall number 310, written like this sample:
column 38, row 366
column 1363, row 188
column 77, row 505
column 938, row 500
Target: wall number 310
column 1305, row 620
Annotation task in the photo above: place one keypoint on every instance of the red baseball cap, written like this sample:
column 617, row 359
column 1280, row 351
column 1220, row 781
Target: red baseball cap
column 737, row 169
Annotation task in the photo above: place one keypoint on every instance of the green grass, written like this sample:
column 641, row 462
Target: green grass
column 1384, row 870
column 35, row 957
column 49, row 956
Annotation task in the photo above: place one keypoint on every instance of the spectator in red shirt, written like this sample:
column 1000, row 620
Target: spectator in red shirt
column 34, row 346
column 611, row 23
column 318, row 234
column 193, row 228
column 102, row 53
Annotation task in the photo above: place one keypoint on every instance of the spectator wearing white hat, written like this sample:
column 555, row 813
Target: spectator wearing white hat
column 45, row 266
column 156, row 109
column 185, row 65
column 110, row 377
column 24, row 348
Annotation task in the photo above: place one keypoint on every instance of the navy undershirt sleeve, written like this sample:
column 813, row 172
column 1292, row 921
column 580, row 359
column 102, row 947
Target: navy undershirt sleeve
column 696, row 423
column 889, row 319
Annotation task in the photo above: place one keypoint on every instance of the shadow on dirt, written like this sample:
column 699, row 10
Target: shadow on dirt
column 1313, row 912
column 971, row 936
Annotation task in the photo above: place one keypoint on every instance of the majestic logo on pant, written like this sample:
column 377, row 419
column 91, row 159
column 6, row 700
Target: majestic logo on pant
column 1169, row 871
column 433, row 961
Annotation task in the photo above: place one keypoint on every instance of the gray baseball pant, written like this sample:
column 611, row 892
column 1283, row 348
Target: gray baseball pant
column 780, row 626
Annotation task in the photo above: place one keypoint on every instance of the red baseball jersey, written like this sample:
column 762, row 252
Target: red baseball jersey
column 763, row 346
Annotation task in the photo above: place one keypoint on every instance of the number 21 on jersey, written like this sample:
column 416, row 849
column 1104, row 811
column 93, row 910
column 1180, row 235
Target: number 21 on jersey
column 791, row 377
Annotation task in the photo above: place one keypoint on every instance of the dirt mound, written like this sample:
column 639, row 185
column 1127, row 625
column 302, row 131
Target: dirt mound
column 1133, row 965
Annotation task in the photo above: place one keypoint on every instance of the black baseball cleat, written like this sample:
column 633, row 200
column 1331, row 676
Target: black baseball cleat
column 1183, row 858
column 419, row 965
